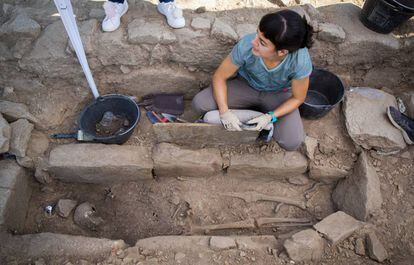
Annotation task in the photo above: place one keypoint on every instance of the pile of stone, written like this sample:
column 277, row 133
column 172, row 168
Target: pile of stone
column 23, row 148
column 309, row 245
column 20, row 137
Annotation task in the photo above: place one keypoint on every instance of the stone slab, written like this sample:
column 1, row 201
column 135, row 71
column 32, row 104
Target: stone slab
column 306, row 245
column 223, row 31
column 367, row 122
column 15, row 192
column 376, row 250
column 359, row 194
column 326, row 173
column 174, row 161
column 55, row 246
column 12, row 176
column 200, row 134
column 100, row 163
column 222, row 242
column 275, row 165
column 141, row 31
column 21, row 131
column 337, row 226
column 14, row 111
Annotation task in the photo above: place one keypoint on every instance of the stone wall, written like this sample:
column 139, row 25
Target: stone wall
column 145, row 55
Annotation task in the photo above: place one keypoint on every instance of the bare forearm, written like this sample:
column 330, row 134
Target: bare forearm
column 220, row 93
column 287, row 107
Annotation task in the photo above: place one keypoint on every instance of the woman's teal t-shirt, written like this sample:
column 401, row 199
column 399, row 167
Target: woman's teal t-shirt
column 296, row 65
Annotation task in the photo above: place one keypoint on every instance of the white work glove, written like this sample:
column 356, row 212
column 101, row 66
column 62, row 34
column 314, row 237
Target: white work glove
column 262, row 121
column 230, row 121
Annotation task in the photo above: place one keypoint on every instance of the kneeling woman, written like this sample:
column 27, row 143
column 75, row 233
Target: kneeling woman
column 273, row 68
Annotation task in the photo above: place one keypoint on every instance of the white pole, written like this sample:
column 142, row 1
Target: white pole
column 68, row 18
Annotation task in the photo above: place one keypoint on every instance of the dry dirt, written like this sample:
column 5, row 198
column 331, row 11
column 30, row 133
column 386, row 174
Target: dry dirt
column 172, row 206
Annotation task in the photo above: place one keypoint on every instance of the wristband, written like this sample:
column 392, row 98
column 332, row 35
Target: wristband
column 274, row 118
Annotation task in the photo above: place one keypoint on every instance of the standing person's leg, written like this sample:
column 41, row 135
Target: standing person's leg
column 239, row 96
column 288, row 130
column 172, row 12
column 114, row 10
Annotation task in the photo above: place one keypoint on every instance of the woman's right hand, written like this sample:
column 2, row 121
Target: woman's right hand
column 230, row 121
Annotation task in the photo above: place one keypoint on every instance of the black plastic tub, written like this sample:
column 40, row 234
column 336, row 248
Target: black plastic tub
column 118, row 105
column 383, row 16
column 325, row 91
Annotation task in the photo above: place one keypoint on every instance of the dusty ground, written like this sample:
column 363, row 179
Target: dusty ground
column 172, row 206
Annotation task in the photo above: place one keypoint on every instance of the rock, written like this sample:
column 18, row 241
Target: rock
column 124, row 69
column 310, row 145
column 244, row 29
column 222, row 243
column 86, row 216
column 188, row 52
column 362, row 45
column 49, row 57
column 100, row 163
column 42, row 175
column 360, row 247
column 199, row 23
column 5, row 134
column 5, row 53
column 141, row 31
column 256, row 243
column 408, row 99
column 174, row 161
column 326, row 173
column 112, row 49
column 337, row 226
column 20, row 135
column 13, row 111
column 367, row 122
column 51, row 245
column 298, row 180
column 223, row 32
column 36, row 149
column 376, row 250
column 136, row 82
column 179, row 257
column 270, row 165
column 359, row 194
column 98, row 13
column 65, row 206
column 40, row 262
column 38, row 144
column 198, row 135
column 200, row 10
column 87, row 30
column 15, row 192
column 305, row 245
column 331, row 33
column 20, row 26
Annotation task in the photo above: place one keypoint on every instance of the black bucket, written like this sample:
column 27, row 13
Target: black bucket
column 118, row 105
column 325, row 91
column 383, row 16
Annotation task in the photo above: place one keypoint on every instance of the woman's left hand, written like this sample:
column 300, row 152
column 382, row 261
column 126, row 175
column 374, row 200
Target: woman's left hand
column 262, row 121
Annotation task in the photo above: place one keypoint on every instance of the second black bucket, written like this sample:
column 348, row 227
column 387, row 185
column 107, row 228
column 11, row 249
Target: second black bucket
column 383, row 16
column 325, row 91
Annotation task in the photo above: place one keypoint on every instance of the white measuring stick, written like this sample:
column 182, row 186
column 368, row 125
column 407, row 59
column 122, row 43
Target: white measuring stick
column 68, row 18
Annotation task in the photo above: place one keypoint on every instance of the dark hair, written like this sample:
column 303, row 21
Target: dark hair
column 287, row 30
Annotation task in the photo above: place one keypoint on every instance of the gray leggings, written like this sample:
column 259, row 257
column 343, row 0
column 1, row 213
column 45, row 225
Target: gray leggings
column 288, row 130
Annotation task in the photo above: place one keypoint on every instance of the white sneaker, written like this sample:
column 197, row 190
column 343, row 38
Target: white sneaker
column 173, row 13
column 114, row 12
